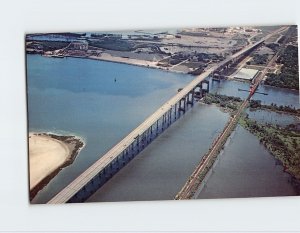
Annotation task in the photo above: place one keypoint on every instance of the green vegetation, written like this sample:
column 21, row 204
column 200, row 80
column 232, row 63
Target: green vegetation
column 113, row 44
column 274, row 107
column 283, row 143
column 281, row 40
column 206, row 57
column 259, row 59
column 289, row 76
column 49, row 45
column 59, row 34
column 230, row 103
column 273, row 46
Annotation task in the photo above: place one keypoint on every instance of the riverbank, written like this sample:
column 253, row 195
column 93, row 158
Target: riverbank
column 256, row 104
column 125, row 60
column 228, row 104
column 48, row 154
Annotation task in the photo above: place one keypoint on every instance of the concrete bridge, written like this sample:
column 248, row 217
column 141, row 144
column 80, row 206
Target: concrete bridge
column 123, row 152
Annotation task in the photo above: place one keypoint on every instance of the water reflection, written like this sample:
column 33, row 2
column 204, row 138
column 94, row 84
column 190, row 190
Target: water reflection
column 280, row 96
column 247, row 169
column 161, row 170
column 264, row 116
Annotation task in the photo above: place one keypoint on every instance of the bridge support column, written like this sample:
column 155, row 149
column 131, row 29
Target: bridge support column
column 132, row 148
column 198, row 91
column 190, row 100
column 138, row 144
column 143, row 140
column 182, row 105
column 207, row 86
column 148, row 136
column 169, row 117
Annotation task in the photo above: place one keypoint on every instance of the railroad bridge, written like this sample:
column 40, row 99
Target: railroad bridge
column 123, row 152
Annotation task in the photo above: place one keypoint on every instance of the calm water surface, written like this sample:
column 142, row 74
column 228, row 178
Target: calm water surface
column 160, row 171
column 280, row 96
column 81, row 97
column 246, row 169
column 103, row 101
column 264, row 117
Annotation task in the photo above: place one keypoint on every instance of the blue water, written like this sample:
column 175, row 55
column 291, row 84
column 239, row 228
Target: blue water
column 280, row 96
column 161, row 170
column 246, row 169
column 269, row 117
column 103, row 101
column 81, row 97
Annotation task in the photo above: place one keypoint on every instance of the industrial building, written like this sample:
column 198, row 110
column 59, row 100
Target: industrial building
column 246, row 74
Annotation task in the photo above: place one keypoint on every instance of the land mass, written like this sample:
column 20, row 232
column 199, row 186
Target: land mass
column 48, row 154
column 190, row 51
column 288, row 77
column 186, row 51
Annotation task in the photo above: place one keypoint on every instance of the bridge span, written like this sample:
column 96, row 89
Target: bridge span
column 123, row 152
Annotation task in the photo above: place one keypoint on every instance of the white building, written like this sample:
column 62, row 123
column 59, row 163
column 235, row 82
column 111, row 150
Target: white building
column 246, row 74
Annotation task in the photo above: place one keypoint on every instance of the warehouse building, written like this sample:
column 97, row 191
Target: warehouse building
column 246, row 74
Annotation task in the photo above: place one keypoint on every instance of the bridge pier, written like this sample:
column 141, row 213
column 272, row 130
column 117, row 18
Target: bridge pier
column 198, row 91
column 190, row 101
column 207, row 86
column 138, row 143
column 216, row 77
column 182, row 105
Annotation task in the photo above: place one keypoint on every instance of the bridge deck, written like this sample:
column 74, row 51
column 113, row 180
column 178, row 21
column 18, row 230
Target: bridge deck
column 106, row 159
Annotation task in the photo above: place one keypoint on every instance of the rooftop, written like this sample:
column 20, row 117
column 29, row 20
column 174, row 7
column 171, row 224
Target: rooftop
column 246, row 74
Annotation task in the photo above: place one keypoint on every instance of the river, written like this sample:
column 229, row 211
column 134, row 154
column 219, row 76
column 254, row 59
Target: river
column 160, row 171
column 103, row 101
column 246, row 169
column 98, row 101
column 270, row 117
column 280, row 96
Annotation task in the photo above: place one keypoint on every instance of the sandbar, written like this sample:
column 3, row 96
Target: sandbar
column 48, row 154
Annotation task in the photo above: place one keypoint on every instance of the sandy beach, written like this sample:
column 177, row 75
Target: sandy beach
column 49, row 153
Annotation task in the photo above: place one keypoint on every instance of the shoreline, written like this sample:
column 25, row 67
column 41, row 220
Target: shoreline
column 122, row 60
column 284, row 88
column 130, row 61
column 67, row 146
column 276, row 111
column 151, row 65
